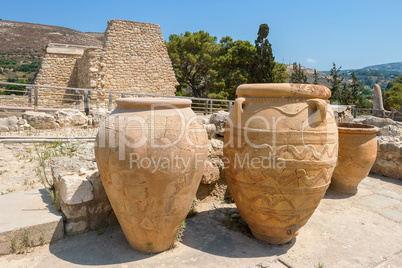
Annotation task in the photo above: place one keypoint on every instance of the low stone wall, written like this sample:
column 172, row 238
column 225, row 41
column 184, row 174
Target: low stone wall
column 14, row 100
column 389, row 158
column 82, row 198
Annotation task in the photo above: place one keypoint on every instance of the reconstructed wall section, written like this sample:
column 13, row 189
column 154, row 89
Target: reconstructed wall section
column 133, row 59
column 59, row 68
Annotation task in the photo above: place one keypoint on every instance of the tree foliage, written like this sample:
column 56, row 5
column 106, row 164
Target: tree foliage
column 231, row 67
column 393, row 97
column 192, row 56
column 215, row 70
column 298, row 76
column 335, row 80
column 315, row 82
column 264, row 63
column 16, row 90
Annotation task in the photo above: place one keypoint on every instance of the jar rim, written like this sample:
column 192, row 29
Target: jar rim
column 283, row 90
column 153, row 102
column 356, row 128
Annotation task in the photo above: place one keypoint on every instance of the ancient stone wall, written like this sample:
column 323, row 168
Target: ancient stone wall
column 389, row 157
column 88, row 66
column 133, row 59
column 59, row 68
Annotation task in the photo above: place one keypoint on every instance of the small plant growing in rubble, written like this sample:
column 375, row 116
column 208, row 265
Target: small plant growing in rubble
column 100, row 231
column 14, row 245
column 42, row 238
column 192, row 211
column 180, row 231
column 150, row 248
column 25, row 243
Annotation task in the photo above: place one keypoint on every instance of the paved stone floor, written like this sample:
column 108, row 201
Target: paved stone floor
column 364, row 230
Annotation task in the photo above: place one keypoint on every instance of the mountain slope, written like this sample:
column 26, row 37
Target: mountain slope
column 22, row 44
column 391, row 67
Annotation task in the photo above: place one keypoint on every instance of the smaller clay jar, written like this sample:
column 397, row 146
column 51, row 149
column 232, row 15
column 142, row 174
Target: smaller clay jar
column 356, row 155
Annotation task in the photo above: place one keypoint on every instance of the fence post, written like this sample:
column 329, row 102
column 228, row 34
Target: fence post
column 36, row 99
column 123, row 95
column 206, row 107
column 29, row 96
column 229, row 106
column 110, row 101
column 383, row 113
column 392, row 113
column 86, row 103
column 211, row 106
column 354, row 112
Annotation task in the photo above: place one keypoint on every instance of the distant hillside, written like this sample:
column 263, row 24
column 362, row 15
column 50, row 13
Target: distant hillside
column 22, row 44
column 380, row 74
column 390, row 67
column 310, row 75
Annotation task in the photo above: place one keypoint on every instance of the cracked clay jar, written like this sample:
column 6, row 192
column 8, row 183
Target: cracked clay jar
column 150, row 154
column 280, row 148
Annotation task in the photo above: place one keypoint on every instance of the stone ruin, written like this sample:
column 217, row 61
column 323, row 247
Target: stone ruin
column 133, row 59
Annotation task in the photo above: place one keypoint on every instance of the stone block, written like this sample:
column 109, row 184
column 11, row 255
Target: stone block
column 75, row 190
column 40, row 120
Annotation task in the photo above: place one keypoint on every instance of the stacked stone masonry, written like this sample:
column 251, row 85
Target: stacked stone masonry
column 133, row 59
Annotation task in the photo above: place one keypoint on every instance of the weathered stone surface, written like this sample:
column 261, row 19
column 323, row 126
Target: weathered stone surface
column 76, row 228
column 211, row 173
column 8, row 124
column 40, row 120
column 71, row 117
column 98, row 116
column 389, row 157
column 75, row 190
column 377, row 101
column 211, row 129
column 83, row 200
column 376, row 121
column 391, row 130
column 219, row 120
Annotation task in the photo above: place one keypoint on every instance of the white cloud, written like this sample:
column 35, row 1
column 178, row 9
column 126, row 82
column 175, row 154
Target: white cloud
column 311, row 61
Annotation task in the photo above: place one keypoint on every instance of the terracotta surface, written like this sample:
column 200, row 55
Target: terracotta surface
column 151, row 161
column 281, row 148
column 357, row 153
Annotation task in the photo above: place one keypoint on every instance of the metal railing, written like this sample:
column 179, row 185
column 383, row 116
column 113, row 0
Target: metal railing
column 393, row 114
column 86, row 99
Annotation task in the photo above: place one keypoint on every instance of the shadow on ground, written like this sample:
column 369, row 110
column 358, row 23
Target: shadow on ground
column 92, row 249
column 203, row 233
column 206, row 233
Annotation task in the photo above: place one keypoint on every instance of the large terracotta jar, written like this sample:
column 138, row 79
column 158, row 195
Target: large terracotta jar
column 150, row 154
column 281, row 149
column 356, row 155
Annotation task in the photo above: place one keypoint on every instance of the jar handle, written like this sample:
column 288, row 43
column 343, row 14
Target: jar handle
column 321, row 106
column 238, row 108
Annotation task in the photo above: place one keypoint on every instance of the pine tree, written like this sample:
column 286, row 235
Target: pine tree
column 298, row 76
column 263, row 68
column 335, row 80
column 355, row 87
column 315, row 82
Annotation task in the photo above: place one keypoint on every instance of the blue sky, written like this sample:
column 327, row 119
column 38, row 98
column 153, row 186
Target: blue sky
column 353, row 34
